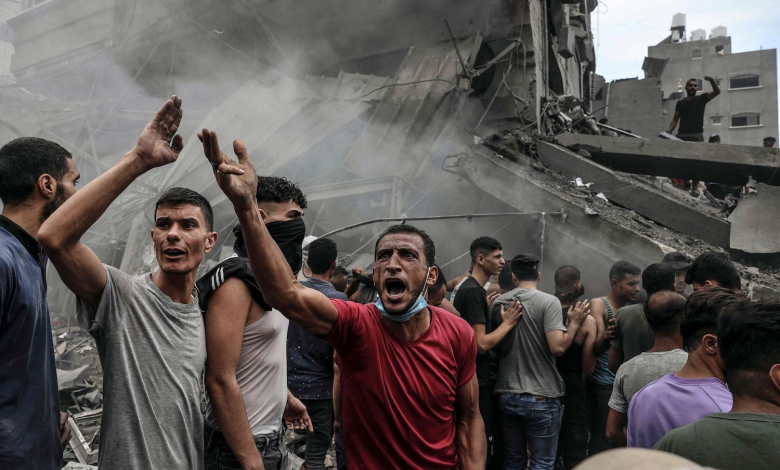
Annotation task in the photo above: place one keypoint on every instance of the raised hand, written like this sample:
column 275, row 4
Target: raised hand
column 513, row 314
column 578, row 312
column 159, row 144
column 237, row 180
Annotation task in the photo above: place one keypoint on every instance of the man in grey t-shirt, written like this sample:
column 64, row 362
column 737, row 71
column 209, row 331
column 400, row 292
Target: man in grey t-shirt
column 664, row 313
column 529, row 386
column 148, row 329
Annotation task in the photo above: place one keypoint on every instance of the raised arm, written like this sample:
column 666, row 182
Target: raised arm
column 558, row 340
column 225, row 321
column 308, row 308
column 78, row 266
column 470, row 429
column 715, row 88
column 509, row 319
column 355, row 284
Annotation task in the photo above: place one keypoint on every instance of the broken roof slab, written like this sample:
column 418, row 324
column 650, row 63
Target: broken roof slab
column 721, row 163
column 640, row 198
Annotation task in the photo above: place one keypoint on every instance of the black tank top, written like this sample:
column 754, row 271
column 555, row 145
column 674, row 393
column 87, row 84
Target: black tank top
column 571, row 361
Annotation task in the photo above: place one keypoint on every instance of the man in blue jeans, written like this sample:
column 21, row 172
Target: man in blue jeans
column 529, row 386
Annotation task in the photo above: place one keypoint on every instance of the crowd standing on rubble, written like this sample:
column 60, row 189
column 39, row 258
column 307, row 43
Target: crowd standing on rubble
column 673, row 358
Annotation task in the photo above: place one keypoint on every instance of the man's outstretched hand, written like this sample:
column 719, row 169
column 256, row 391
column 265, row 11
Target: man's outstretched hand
column 237, row 180
column 159, row 144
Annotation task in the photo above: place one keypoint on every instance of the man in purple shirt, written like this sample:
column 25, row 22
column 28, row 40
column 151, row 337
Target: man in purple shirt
column 694, row 391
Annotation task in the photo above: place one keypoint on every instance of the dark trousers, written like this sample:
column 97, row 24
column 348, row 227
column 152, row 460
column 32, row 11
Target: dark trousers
column 318, row 442
column 219, row 456
column 598, row 398
column 575, row 425
column 341, row 455
column 488, row 408
column 531, row 426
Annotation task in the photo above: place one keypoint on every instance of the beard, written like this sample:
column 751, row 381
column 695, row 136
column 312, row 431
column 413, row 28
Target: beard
column 691, row 92
column 54, row 204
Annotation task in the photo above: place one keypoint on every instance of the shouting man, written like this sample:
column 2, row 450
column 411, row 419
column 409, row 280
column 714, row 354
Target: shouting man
column 410, row 397
column 36, row 177
column 246, row 340
column 148, row 329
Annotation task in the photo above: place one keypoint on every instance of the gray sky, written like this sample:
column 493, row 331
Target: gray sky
column 625, row 28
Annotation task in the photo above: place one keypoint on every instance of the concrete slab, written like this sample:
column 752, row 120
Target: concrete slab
column 721, row 163
column 754, row 223
column 641, row 199
column 594, row 243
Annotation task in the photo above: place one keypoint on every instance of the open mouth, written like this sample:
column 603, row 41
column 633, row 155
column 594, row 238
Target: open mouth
column 395, row 288
column 173, row 253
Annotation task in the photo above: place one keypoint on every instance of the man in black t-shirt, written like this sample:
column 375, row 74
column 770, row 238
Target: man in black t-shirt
column 471, row 301
column 689, row 112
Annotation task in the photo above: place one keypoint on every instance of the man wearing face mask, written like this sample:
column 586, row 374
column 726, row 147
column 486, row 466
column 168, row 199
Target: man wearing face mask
column 246, row 341
column 409, row 392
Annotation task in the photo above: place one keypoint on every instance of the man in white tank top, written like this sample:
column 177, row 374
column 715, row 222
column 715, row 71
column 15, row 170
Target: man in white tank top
column 246, row 340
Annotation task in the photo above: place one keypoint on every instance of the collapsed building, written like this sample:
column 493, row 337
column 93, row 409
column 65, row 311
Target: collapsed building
column 468, row 118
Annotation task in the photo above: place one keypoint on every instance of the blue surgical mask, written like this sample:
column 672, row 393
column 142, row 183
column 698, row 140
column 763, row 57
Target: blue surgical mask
column 414, row 310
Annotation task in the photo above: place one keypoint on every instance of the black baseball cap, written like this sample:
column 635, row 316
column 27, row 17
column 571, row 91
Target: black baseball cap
column 524, row 262
column 677, row 260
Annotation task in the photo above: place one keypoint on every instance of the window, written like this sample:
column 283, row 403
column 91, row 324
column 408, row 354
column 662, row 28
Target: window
column 719, row 50
column 696, row 53
column 716, row 120
column 744, row 81
column 746, row 120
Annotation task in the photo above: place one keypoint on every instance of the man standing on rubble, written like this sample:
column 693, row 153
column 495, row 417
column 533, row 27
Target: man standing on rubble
column 410, row 396
column 36, row 177
column 246, row 341
column 625, row 282
column 148, row 329
column 471, row 300
column 689, row 112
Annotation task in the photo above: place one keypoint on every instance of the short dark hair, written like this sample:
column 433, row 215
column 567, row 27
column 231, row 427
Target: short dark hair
column 279, row 189
column 603, row 120
column 429, row 248
column 623, row 268
column 441, row 280
column 525, row 267
column 23, row 161
column 664, row 311
column 749, row 339
column 658, row 277
column 565, row 278
column 340, row 271
column 483, row 246
column 714, row 266
column 505, row 278
column 176, row 196
column 322, row 254
column 700, row 316
column 692, row 80
column 770, row 138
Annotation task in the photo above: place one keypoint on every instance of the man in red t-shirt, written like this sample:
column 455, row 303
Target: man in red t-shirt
column 410, row 396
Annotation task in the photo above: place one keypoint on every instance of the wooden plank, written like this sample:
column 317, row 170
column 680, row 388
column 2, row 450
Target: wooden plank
column 699, row 161
column 643, row 200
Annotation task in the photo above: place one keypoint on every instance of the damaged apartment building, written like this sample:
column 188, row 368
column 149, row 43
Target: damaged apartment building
column 464, row 118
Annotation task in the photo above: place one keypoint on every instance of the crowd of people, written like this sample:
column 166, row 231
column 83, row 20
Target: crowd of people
column 500, row 375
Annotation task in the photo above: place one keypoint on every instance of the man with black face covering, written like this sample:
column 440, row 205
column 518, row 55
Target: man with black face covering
column 409, row 396
column 246, row 341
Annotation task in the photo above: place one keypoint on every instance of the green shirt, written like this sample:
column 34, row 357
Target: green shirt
column 728, row 441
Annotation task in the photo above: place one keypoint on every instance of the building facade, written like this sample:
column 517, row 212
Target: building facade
column 746, row 110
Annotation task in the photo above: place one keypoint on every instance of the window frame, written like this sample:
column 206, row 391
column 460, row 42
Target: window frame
column 747, row 115
column 745, row 76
